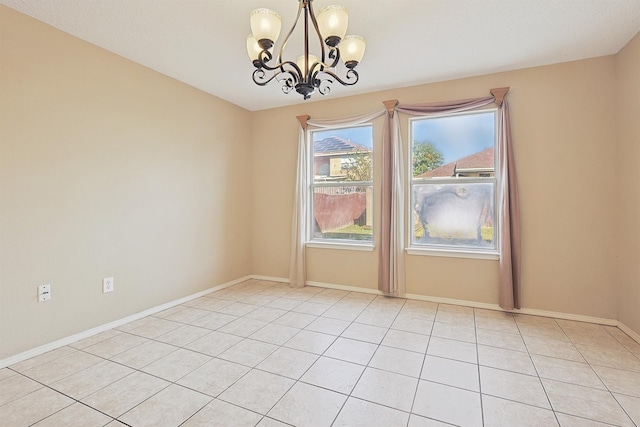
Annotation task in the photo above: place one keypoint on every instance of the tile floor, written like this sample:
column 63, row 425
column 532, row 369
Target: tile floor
column 260, row 353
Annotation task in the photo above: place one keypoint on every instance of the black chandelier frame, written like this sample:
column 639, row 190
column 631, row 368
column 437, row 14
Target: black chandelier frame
column 318, row 75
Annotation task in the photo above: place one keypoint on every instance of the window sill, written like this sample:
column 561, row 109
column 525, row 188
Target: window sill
column 366, row 247
column 491, row 255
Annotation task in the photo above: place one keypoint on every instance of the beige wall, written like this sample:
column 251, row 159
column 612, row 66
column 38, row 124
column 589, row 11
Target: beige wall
column 628, row 173
column 109, row 169
column 563, row 130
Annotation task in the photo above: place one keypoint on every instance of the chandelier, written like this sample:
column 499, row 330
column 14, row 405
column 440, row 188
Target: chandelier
column 309, row 72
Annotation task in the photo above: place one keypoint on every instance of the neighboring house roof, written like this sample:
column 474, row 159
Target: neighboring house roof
column 445, row 170
column 335, row 144
column 480, row 160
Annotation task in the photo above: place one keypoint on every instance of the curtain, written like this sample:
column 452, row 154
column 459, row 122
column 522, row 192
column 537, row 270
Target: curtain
column 509, row 293
column 299, row 231
column 397, row 211
column 391, row 268
column 391, row 272
column 297, row 268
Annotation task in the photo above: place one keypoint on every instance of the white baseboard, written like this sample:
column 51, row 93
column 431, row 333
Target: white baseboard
column 530, row 311
column 474, row 304
column 627, row 330
column 452, row 301
column 567, row 316
column 321, row 285
column 344, row 288
column 102, row 328
column 270, row 278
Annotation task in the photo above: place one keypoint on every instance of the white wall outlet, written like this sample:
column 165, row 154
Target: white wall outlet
column 107, row 285
column 44, row 293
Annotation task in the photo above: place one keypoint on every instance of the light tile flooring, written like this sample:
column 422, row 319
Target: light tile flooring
column 260, row 353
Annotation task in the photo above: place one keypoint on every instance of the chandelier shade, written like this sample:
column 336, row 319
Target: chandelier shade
column 332, row 22
column 309, row 73
column 253, row 48
column 353, row 49
column 313, row 60
column 265, row 25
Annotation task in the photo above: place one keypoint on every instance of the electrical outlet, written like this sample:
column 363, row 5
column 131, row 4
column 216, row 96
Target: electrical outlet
column 44, row 293
column 107, row 285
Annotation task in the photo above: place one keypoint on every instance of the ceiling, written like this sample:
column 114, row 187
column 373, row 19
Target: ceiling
column 409, row 42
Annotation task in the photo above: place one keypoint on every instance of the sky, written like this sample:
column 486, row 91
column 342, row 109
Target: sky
column 456, row 136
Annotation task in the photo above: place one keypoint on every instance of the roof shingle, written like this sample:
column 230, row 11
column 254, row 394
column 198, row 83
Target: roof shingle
column 335, row 144
column 481, row 160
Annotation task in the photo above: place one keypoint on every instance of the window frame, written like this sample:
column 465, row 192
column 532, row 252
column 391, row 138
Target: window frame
column 345, row 244
column 446, row 250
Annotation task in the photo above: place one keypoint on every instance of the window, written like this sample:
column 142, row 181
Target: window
column 453, row 182
column 341, row 190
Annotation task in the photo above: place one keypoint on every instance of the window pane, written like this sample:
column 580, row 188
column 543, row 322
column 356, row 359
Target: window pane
column 340, row 210
column 343, row 212
column 454, row 146
column 343, row 155
column 460, row 214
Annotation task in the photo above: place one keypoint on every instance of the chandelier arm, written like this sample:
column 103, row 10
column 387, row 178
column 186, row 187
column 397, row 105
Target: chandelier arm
column 288, row 78
column 351, row 77
column 306, row 77
column 259, row 77
column 289, row 81
column 324, row 65
column 286, row 39
column 315, row 26
column 280, row 66
column 336, row 58
column 264, row 57
column 323, row 85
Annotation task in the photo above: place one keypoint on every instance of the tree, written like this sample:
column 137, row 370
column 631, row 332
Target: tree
column 426, row 157
column 361, row 168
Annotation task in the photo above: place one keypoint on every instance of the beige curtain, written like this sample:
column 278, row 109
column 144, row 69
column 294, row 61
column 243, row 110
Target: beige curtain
column 391, row 271
column 300, row 217
column 509, row 297
column 391, row 268
column 297, row 265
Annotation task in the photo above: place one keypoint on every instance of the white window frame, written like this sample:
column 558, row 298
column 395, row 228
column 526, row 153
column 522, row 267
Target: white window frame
column 444, row 250
column 345, row 244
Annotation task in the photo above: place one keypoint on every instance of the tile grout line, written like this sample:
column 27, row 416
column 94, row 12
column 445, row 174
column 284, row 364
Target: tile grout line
column 280, row 346
column 475, row 334
column 555, row 415
column 424, row 359
column 350, row 395
column 179, row 385
column 354, row 321
column 295, row 381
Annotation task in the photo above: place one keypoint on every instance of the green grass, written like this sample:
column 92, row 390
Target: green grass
column 350, row 232
column 487, row 234
column 354, row 229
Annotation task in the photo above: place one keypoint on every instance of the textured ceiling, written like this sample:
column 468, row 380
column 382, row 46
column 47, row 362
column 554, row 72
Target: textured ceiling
column 202, row 42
